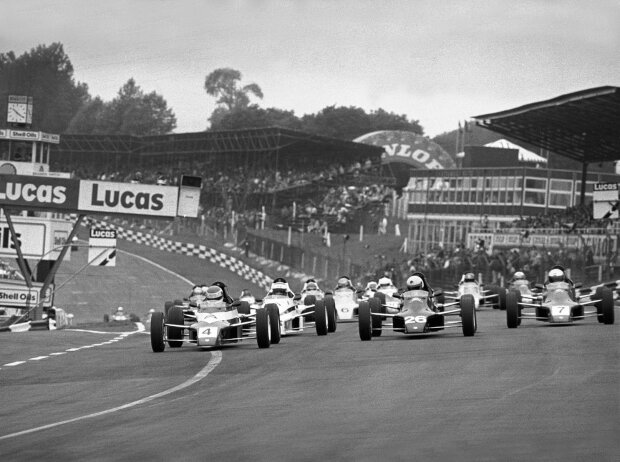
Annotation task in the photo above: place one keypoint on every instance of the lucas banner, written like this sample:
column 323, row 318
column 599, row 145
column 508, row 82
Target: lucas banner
column 65, row 194
column 128, row 198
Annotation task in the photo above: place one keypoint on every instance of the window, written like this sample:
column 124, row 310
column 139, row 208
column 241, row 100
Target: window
column 535, row 191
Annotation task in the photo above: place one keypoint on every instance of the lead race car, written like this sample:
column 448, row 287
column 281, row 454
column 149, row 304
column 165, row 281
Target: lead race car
column 291, row 311
column 469, row 285
column 559, row 303
column 418, row 313
column 211, row 322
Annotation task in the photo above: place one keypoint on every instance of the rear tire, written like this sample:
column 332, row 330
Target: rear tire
column 364, row 321
column 376, row 321
column 244, row 308
column 274, row 322
column 512, row 310
column 605, row 307
column 309, row 300
column 175, row 334
column 167, row 307
column 501, row 296
column 263, row 328
column 320, row 318
column 157, row 332
column 468, row 315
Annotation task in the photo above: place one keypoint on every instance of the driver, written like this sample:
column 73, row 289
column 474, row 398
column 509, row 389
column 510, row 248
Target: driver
column 197, row 294
column 310, row 285
column 225, row 296
column 214, row 295
column 371, row 286
column 344, row 283
column 384, row 283
column 281, row 287
column 417, row 281
column 558, row 274
column 518, row 276
column 468, row 277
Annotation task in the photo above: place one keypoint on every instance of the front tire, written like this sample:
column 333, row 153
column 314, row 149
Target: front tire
column 364, row 321
column 376, row 321
column 468, row 315
column 320, row 318
column 157, row 332
column 512, row 310
column 175, row 334
column 263, row 328
column 274, row 322
column 332, row 317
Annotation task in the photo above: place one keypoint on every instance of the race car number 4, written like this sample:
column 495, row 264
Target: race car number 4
column 209, row 332
column 410, row 319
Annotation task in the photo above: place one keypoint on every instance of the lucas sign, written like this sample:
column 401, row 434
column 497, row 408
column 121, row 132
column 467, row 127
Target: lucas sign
column 127, row 198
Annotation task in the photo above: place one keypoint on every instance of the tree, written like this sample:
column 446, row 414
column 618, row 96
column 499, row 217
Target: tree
column 350, row 122
column 223, row 84
column 252, row 116
column 46, row 74
column 132, row 112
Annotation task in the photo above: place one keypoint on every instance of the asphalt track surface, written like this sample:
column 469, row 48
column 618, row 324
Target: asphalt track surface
column 537, row 392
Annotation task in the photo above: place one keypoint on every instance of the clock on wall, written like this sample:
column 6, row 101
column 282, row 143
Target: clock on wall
column 17, row 113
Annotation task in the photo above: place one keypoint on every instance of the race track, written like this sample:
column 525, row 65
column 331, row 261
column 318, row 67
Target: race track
column 538, row 392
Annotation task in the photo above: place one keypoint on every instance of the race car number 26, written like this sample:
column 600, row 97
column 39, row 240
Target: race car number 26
column 410, row 319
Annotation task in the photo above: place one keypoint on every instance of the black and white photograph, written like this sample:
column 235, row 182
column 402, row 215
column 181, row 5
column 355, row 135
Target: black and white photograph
column 309, row 230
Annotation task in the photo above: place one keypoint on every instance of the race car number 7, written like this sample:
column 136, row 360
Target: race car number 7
column 410, row 319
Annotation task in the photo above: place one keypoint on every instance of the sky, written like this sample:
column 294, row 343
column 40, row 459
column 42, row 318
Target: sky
column 437, row 61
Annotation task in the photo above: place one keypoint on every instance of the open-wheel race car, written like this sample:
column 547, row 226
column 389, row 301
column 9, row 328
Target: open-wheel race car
column 212, row 322
column 559, row 303
column 385, row 292
column 418, row 313
column 468, row 285
column 120, row 317
column 293, row 313
column 310, row 293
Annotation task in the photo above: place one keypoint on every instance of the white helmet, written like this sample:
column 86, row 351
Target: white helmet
column 215, row 293
column 519, row 275
column 197, row 290
column 415, row 283
column 280, row 287
column 384, row 282
column 120, row 308
column 556, row 275
column 344, row 282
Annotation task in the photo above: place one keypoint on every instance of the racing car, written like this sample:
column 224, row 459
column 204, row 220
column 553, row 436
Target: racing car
column 120, row 317
column 310, row 293
column 469, row 285
column 418, row 313
column 292, row 312
column 559, row 303
column 385, row 293
column 213, row 322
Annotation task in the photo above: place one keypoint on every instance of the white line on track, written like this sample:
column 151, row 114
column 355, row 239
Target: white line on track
column 16, row 363
column 38, row 358
column 216, row 358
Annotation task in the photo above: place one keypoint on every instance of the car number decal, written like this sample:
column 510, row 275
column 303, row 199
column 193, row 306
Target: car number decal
column 410, row 319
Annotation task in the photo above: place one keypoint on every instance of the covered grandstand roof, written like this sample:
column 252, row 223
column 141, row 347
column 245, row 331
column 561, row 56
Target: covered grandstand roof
column 524, row 154
column 272, row 139
column 583, row 125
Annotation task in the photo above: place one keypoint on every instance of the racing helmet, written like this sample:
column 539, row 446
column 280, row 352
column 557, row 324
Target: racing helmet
column 415, row 283
column 372, row 285
column 469, row 277
column 245, row 293
column 556, row 275
column 215, row 293
column 344, row 282
column 385, row 282
column 519, row 275
column 311, row 285
column 280, row 287
column 120, row 308
column 197, row 290
column 204, row 289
